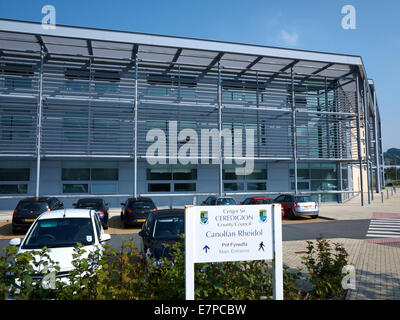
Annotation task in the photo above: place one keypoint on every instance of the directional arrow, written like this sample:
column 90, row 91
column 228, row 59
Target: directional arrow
column 206, row 248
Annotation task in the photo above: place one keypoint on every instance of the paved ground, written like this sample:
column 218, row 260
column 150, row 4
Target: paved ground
column 376, row 257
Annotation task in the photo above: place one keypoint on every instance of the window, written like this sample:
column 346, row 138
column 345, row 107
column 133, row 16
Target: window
column 13, row 188
column 159, row 187
column 75, row 174
column 233, row 186
column 75, row 188
column 301, row 185
column 183, row 178
column 255, row 181
column 75, row 126
column 95, row 174
column 16, row 125
column 14, row 174
column 159, row 174
column 256, row 186
column 104, row 188
column 181, row 187
column 172, row 86
column 104, row 174
column 17, row 75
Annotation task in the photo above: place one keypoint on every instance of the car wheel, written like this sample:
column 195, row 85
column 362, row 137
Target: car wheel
column 314, row 216
column 291, row 215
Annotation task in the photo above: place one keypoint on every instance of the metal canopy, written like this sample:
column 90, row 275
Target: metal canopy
column 98, row 44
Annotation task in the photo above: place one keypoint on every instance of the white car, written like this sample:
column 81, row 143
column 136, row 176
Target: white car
column 60, row 231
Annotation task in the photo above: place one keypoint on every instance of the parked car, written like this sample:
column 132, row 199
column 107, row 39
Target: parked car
column 60, row 231
column 135, row 210
column 162, row 230
column 97, row 204
column 28, row 209
column 297, row 206
column 260, row 200
column 257, row 200
column 218, row 201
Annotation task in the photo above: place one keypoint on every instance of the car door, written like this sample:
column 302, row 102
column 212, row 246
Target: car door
column 145, row 233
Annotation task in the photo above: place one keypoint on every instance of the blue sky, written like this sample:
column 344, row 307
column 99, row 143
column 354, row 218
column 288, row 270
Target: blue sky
column 306, row 24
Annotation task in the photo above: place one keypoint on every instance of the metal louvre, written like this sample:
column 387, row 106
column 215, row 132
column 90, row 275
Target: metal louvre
column 83, row 98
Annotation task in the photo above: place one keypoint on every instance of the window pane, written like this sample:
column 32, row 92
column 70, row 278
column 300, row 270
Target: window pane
column 104, row 188
column 258, row 174
column 256, row 186
column 302, row 185
column 75, row 188
column 75, row 174
column 14, row 174
column 13, row 188
column 185, row 174
column 159, row 187
column 159, row 174
column 184, row 187
column 104, row 174
column 324, row 174
column 233, row 186
column 301, row 173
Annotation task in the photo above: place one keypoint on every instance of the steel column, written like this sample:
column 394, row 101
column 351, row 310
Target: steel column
column 136, row 131
column 359, row 139
column 377, row 166
column 39, row 125
column 366, row 138
column 294, row 131
column 221, row 187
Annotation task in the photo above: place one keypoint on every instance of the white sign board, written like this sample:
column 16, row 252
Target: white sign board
column 233, row 233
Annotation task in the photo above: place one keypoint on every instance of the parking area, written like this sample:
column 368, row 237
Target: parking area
column 116, row 226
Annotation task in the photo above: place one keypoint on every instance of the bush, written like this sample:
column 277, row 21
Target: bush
column 125, row 274
column 325, row 267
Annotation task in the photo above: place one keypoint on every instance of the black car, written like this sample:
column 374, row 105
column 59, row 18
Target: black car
column 218, row 201
column 135, row 210
column 29, row 209
column 162, row 230
column 97, row 204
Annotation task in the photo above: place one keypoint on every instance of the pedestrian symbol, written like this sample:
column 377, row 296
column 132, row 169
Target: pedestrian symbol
column 261, row 246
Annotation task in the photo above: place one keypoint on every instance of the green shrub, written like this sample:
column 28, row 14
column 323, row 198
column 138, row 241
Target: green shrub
column 125, row 274
column 325, row 265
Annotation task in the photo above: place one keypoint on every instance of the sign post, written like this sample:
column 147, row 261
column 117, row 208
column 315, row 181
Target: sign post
column 233, row 233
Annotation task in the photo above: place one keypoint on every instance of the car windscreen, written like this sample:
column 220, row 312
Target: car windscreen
column 225, row 201
column 264, row 201
column 168, row 228
column 303, row 199
column 89, row 205
column 141, row 205
column 33, row 206
column 62, row 232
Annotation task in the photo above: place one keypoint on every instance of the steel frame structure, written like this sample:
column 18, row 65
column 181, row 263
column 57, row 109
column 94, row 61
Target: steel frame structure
column 70, row 85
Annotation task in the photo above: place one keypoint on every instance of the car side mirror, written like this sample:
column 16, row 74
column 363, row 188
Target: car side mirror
column 15, row 242
column 142, row 233
column 105, row 237
column 74, row 204
column 122, row 204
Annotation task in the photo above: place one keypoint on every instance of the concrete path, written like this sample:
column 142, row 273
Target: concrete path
column 352, row 209
column 376, row 260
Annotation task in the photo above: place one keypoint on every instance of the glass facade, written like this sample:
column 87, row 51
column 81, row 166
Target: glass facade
column 319, row 177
